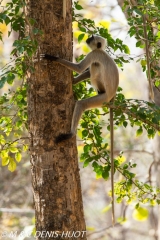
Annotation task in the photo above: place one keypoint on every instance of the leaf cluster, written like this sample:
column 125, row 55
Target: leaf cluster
column 150, row 11
column 88, row 26
column 13, row 105
column 142, row 114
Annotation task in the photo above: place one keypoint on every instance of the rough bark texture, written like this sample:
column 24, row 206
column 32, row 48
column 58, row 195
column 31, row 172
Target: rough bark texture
column 55, row 172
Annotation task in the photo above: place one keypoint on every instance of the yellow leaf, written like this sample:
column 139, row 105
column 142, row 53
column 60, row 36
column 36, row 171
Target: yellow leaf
column 104, row 23
column 25, row 148
column 5, row 161
column 85, row 48
column 140, row 214
column 12, row 165
column 18, row 157
column 122, row 220
column 104, row 210
column 4, row 154
column 13, row 149
column 2, row 140
column 98, row 175
column 143, row 62
column 90, row 228
column 75, row 25
column 3, row 27
column 121, row 159
column 77, row 33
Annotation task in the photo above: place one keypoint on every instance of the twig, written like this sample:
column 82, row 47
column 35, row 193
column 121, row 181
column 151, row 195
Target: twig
column 147, row 58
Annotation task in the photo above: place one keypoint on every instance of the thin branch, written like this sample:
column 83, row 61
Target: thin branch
column 147, row 58
column 10, row 143
column 134, row 115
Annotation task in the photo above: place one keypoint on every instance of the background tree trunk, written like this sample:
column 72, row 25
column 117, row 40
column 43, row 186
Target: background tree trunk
column 55, row 172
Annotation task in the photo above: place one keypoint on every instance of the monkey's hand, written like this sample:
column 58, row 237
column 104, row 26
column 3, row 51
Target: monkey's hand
column 48, row 57
column 63, row 137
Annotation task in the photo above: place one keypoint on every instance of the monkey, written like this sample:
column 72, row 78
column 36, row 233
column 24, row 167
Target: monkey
column 104, row 77
column 103, row 74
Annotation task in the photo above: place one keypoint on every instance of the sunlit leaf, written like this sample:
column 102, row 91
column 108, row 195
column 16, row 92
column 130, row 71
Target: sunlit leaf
column 5, row 161
column 140, row 214
column 18, row 156
column 12, row 165
column 104, row 210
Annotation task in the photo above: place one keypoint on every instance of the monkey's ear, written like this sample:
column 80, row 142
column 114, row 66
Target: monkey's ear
column 99, row 45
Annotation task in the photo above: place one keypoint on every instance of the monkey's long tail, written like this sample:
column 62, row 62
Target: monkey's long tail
column 112, row 163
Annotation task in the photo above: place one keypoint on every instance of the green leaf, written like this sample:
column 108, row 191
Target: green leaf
column 86, row 162
column 19, row 97
column 16, row 9
column 2, row 81
column 158, row 201
column 84, row 133
column 105, row 174
column 133, row 165
column 139, row 131
column 125, row 123
column 119, row 199
column 87, row 148
column 7, row 20
column 77, row 6
column 80, row 37
column 151, row 133
column 99, row 173
column 95, row 165
column 148, row 187
column 19, row 123
column 10, row 78
column 138, row 11
column 126, row 49
column 157, row 83
column 125, row 166
column 138, row 44
column 82, row 29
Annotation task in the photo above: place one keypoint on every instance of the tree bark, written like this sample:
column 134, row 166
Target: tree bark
column 54, row 168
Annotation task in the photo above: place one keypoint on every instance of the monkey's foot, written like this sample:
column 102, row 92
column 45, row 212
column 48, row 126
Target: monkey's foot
column 48, row 57
column 63, row 137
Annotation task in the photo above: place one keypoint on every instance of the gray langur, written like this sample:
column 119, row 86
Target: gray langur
column 103, row 74
column 104, row 77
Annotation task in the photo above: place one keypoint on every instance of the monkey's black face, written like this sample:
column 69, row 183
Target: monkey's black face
column 89, row 40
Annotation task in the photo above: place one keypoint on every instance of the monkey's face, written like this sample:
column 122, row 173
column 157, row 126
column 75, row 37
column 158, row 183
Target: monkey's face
column 96, row 42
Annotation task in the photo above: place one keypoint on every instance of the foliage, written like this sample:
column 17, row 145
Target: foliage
column 133, row 112
column 145, row 115
column 13, row 105
column 88, row 26
column 136, row 13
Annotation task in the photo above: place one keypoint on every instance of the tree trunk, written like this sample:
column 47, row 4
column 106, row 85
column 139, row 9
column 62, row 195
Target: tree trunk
column 54, row 168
